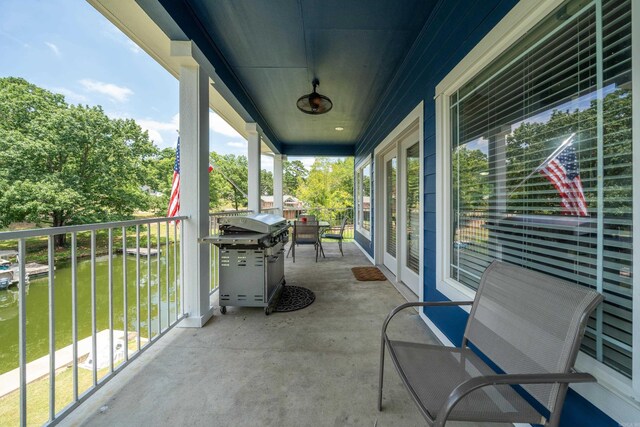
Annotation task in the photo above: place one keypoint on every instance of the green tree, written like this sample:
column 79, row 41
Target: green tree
column 531, row 143
column 159, row 177
column 63, row 165
column 266, row 183
column 471, row 168
column 294, row 174
column 329, row 185
column 228, row 183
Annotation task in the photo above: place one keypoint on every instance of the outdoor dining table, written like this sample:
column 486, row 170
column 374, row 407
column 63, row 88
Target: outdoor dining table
column 321, row 224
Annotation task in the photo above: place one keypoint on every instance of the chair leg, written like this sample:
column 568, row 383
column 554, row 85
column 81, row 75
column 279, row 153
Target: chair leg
column 293, row 251
column 316, row 245
column 340, row 246
column 381, row 376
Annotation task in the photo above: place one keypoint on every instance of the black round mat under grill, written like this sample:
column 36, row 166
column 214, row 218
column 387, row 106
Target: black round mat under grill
column 294, row 298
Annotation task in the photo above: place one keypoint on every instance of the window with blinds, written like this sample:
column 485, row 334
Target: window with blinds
column 412, row 186
column 363, row 198
column 541, row 164
column 391, row 169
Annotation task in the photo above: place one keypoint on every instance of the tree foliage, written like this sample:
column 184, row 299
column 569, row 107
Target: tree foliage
column 228, row 181
column 531, row 143
column 294, row 174
column 266, row 183
column 63, row 164
column 470, row 168
column 329, row 184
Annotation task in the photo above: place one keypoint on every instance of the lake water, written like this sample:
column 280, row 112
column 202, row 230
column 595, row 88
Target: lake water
column 38, row 305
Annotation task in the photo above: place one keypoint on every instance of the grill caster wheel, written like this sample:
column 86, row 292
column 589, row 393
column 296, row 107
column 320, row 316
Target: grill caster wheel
column 268, row 311
column 223, row 309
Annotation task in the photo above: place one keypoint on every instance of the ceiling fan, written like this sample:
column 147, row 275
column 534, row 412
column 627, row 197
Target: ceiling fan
column 314, row 103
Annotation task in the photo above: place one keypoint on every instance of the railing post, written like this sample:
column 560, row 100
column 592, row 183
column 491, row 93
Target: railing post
column 22, row 330
column 194, row 182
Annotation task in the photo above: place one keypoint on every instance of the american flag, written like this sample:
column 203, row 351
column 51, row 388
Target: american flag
column 564, row 174
column 174, row 199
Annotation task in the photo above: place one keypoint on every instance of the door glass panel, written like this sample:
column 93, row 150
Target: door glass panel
column 366, row 198
column 412, row 169
column 391, row 168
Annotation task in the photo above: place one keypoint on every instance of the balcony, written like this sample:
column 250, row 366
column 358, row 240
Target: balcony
column 414, row 86
column 317, row 366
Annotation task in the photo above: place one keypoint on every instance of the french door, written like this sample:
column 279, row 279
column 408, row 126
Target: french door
column 409, row 212
column 401, row 210
column 390, row 211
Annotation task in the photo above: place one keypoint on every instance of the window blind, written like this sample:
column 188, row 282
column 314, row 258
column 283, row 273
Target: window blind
column 363, row 198
column 391, row 170
column 531, row 135
column 412, row 186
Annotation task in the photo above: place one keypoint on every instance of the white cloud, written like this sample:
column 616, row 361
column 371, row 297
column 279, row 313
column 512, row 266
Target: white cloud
column 71, row 96
column 14, row 39
column 159, row 132
column 113, row 33
column 53, row 48
column 133, row 47
column 237, row 144
column 114, row 92
column 308, row 162
column 218, row 125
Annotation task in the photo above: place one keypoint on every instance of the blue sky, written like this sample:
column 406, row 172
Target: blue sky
column 66, row 46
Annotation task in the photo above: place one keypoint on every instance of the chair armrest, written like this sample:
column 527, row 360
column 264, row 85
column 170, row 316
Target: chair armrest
column 419, row 304
column 326, row 230
column 506, row 379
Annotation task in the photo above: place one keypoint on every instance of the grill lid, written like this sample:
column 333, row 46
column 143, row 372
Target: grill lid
column 257, row 222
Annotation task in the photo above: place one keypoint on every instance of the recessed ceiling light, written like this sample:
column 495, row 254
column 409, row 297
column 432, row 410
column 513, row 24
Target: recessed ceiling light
column 339, row 128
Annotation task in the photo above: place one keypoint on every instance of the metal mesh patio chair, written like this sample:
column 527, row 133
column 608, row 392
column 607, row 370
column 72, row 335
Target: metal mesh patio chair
column 339, row 236
column 529, row 325
column 305, row 233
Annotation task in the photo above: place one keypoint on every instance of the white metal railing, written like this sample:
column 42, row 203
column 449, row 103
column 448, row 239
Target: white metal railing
column 123, row 238
column 333, row 216
column 215, row 253
column 274, row 211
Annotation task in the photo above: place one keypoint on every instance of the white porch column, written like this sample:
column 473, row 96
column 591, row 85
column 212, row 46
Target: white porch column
column 253, row 193
column 277, row 182
column 194, row 185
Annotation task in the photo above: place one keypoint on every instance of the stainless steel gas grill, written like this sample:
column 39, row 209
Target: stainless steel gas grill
column 251, row 261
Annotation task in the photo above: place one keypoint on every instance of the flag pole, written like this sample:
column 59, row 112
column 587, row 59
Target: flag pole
column 552, row 156
column 226, row 178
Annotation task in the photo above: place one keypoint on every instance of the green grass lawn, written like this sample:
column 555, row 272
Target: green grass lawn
column 38, row 395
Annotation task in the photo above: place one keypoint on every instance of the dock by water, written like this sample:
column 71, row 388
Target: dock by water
column 32, row 270
column 143, row 251
column 39, row 368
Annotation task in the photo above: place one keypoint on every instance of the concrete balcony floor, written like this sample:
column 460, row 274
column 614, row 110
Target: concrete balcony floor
column 313, row 367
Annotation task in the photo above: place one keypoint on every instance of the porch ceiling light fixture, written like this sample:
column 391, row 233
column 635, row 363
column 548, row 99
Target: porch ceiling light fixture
column 314, row 103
